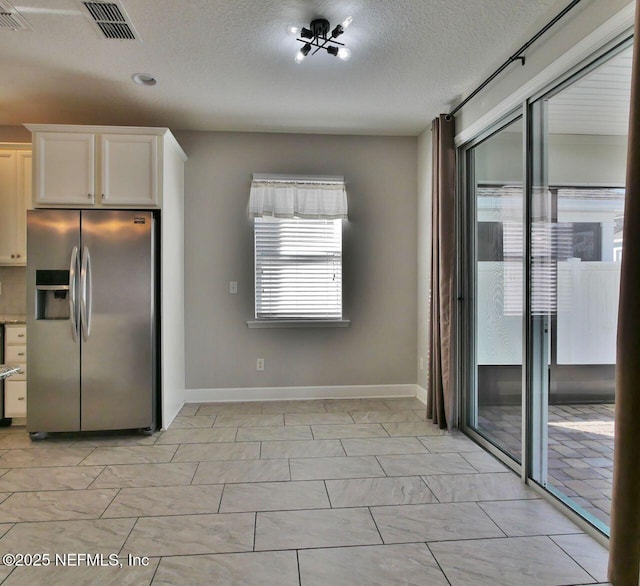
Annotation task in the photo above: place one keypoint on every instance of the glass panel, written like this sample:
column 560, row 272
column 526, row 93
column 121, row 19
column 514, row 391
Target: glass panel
column 579, row 161
column 497, row 171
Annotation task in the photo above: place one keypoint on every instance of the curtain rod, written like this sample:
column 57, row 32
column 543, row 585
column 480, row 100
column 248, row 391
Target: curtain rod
column 277, row 178
column 517, row 56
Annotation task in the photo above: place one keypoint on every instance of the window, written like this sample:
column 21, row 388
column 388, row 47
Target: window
column 298, row 249
column 298, row 269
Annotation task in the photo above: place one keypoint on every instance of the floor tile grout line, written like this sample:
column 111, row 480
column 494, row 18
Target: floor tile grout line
column 124, row 542
column 573, row 558
column 435, row 496
column 221, row 497
column 195, row 471
column 9, row 574
column 437, row 562
column 326, row 489
column 115, row 496
column 255, row 528
column 153, row 577
column 376, row 526
column 299, row 570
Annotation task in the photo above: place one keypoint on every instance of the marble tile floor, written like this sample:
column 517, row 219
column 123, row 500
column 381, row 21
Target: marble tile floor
column 580, row 453
column 307, row 493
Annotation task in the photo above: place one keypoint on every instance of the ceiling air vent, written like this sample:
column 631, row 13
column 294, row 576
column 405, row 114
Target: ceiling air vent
column 11, row 19
column 111, row 20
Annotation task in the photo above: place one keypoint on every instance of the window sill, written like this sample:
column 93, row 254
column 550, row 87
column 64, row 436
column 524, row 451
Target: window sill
column 298, row 323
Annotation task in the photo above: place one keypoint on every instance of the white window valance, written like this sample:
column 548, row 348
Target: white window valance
column 297, row 196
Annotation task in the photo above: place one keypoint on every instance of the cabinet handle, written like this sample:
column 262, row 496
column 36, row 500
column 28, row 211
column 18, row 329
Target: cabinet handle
column 20, row 353
column 20, row 398
column 17, row 256
column 103, row 196
column 20, row 335
column 89, row 195
column 13, row 256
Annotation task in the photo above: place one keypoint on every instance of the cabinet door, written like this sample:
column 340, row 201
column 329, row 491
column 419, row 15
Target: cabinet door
column 15, row 334
column 129, row 170
column 15, row 354
column 15, row 398
column 23, row 202
column 8, row 187
column 65, row 164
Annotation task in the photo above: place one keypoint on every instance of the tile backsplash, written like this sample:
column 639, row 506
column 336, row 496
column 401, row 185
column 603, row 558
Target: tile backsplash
column 13, row 299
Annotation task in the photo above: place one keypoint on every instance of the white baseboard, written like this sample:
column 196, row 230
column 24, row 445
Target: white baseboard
column 421, row 394
column 168, row 417
column 298, row 393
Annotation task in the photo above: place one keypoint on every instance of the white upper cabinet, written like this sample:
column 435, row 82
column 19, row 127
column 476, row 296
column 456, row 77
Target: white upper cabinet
column 129, row 170
column 64, row 168
column 15, row 194
column 100, row 166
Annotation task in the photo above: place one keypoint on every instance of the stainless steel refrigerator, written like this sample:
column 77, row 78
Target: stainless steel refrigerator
column 91, row 320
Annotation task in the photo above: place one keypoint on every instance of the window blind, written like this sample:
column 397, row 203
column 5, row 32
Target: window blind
column 298, row 268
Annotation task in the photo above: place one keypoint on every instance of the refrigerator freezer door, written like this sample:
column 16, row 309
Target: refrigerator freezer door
column 118, row 300
column 53, row 401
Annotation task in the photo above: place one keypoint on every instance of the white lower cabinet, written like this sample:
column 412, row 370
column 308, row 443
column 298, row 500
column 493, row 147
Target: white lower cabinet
column 15, row 398
column 15, row 354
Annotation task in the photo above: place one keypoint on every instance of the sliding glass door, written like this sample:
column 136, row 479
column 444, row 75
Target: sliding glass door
column 577, row 210
column 495, row 170
column 541, row 278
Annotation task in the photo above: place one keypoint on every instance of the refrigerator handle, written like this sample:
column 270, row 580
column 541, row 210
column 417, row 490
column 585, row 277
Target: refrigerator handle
column 86, row 293
column 73, row 314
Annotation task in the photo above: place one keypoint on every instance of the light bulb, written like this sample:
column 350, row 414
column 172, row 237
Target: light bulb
column 347, row 21
column 344, row 53
column 299, row 58
column 293, row 30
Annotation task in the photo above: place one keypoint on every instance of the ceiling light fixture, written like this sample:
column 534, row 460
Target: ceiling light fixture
column 320, row 36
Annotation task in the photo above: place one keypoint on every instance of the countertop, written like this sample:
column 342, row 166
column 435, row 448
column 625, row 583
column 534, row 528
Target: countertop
column 13, row 319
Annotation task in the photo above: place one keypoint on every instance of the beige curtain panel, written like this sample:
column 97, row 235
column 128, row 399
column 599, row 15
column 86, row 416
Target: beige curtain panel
column 624, row 553
column 440, row 406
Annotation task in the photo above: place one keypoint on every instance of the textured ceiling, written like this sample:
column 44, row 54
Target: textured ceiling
column 228, row 64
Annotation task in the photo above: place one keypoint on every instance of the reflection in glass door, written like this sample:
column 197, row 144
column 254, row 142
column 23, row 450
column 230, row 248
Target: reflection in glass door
column 495, row 168
column 579, row 136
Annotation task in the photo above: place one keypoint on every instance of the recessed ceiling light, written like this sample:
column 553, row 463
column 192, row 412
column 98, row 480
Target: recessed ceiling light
column 144, row 79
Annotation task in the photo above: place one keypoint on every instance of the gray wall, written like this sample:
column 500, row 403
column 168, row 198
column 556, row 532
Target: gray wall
column 424, row 252
column 379, row 262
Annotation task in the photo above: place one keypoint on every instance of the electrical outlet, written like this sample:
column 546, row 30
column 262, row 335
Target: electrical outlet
column 233, row 287
column 260, row 364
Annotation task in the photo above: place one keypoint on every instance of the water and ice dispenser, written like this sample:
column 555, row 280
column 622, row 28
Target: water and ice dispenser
column 52, row 294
